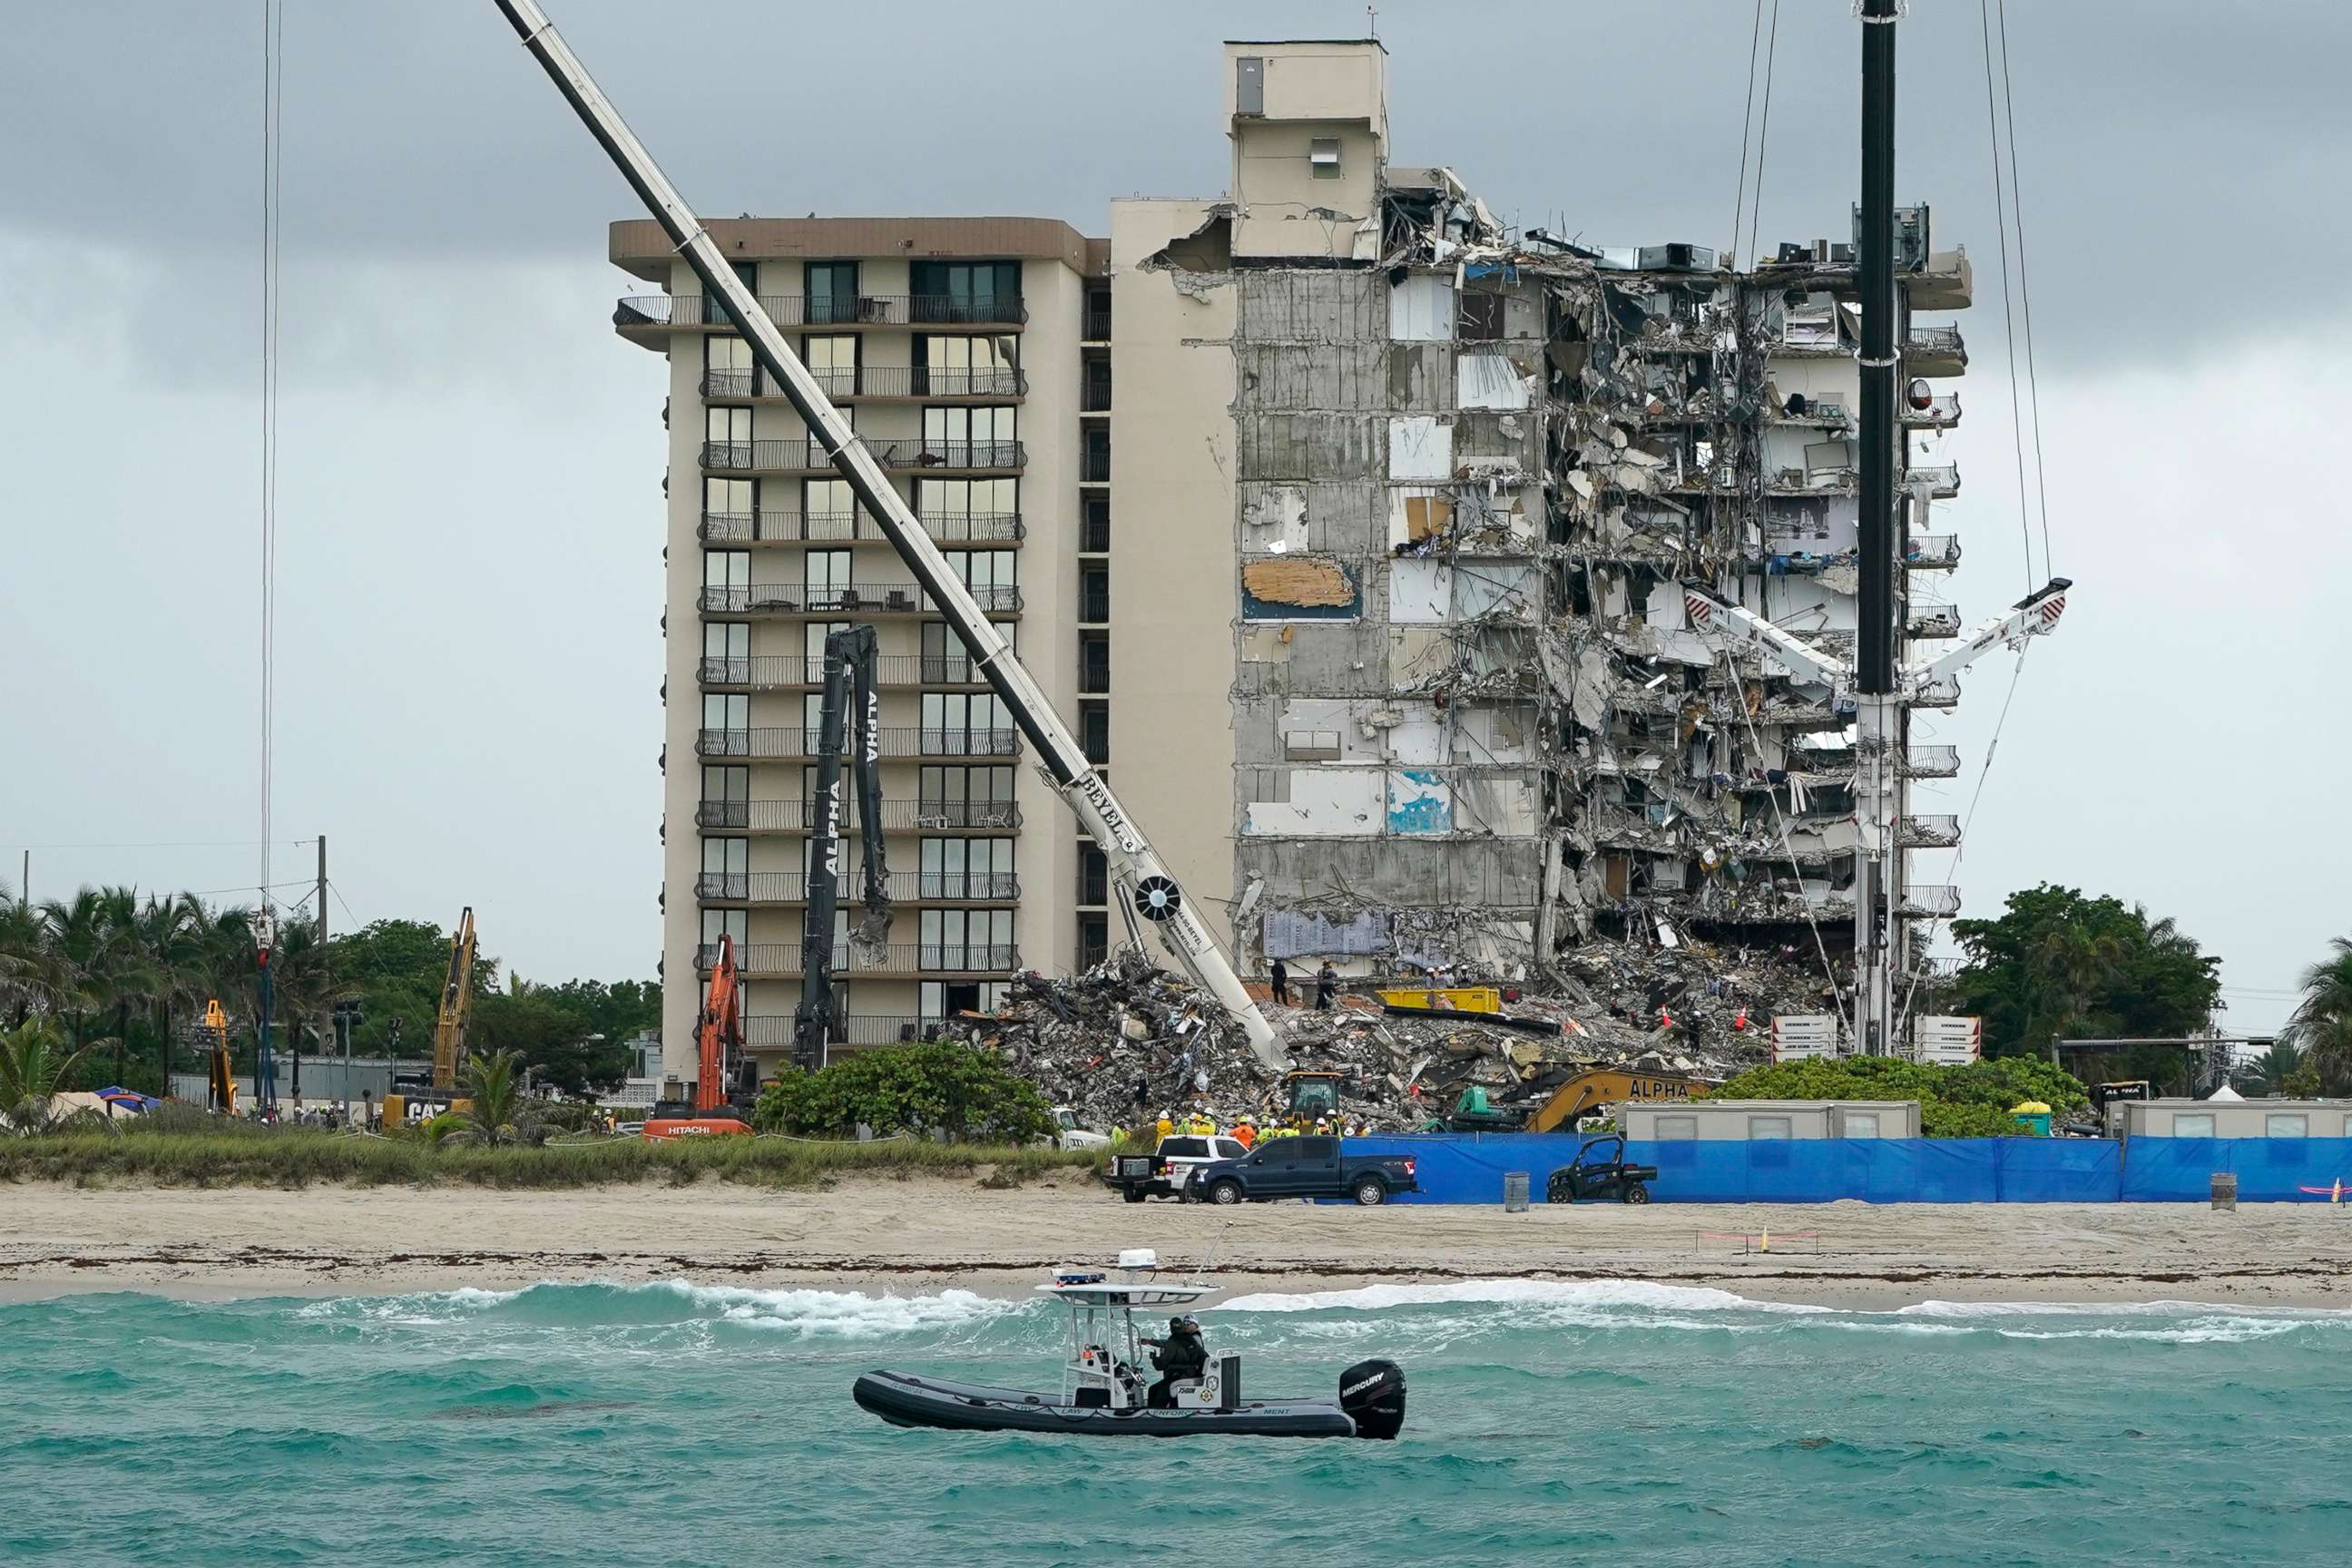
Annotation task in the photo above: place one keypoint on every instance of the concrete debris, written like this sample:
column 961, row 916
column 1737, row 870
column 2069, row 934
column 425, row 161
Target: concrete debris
column 1124, row 1042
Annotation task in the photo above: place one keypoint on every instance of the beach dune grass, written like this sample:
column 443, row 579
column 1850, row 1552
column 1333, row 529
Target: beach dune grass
column 287, row 1157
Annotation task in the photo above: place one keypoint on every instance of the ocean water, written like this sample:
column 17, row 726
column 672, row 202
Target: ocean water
column 1547, row 1423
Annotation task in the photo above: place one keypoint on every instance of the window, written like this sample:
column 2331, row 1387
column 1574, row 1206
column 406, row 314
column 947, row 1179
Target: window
column 1093, row 663
column 970, row 438
column 828, row 510
column 726, row 711
column 1323, row 155
column 945, row 662
column 1768, row 1127
column 832, row 290
column 727, row 437
column 968, row 869
column 726, row 509
column 726, row 856
column 966, row 938
column 968, row 509
column 942, row 998
column 2186, row 1124
column 1095, row 461
column 1677, row 1127
column 967, row 290
column 956, row 724
column 1186, row 1148
column 1094, row 874
column 965, row 797
column 992, row 575
column 733, row 924
column 1860, row 1123
column 1094, row 593
column 1280, row 1152
column 726, row 579
column 1095, row 537
column 726, row 797
column 2281, row 1124
column 727, row 652
column 966, row 366
column 1094, row 940
column 1094, row 732
column 1095, row 398
column 833, row 360
column 726, row 367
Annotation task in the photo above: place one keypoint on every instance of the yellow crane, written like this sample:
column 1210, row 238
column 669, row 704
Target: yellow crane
column 457, row 1006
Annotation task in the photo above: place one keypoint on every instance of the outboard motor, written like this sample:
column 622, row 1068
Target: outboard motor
column 1372, row 1394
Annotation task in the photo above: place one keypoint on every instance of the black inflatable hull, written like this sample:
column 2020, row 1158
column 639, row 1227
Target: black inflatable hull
column 905, row 1400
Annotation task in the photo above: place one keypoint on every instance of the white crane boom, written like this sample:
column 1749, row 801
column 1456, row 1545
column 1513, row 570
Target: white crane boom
column 1710, row 612
column 2034, row 615
column 1134, row 868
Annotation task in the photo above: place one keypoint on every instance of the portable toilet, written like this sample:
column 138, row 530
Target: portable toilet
column 2033, row 1116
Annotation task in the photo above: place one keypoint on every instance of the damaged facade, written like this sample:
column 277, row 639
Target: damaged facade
column 1468, row 474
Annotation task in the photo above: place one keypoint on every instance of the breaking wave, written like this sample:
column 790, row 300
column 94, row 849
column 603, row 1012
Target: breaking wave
column 1644, row 1293
column 806, row 1313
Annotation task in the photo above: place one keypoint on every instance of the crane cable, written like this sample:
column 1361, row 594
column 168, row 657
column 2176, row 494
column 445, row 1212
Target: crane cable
column 1747, row 123
column 273, row 38
column 2024, row 292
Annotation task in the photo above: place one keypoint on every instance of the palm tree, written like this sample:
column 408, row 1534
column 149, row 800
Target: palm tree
column 170, row 933
column 124, row 975
column 2321, row 1023
column 491, row 1085
column 74, row 966
column 2067, row 968
column 30, row 1071
column 23, row 958
column 2276, row 1065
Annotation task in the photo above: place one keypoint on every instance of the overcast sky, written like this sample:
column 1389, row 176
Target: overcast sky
column 470, row 461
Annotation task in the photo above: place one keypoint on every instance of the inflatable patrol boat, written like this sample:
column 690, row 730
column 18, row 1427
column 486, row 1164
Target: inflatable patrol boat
column 1104, row 1377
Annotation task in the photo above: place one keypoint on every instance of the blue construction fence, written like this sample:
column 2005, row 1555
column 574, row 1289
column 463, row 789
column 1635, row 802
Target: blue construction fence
column 1469, row 1167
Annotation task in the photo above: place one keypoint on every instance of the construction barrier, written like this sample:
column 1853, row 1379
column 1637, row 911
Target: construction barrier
column 1470, row 1167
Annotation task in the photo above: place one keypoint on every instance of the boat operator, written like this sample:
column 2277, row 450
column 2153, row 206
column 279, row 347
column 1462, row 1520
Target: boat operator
column 1179, row 1358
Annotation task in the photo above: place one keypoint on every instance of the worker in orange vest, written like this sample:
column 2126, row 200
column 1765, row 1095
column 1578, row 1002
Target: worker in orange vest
column 1245, row 1134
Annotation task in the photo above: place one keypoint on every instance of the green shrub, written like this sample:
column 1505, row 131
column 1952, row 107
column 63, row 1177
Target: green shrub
column 1969, row 1101
column 917, row 1090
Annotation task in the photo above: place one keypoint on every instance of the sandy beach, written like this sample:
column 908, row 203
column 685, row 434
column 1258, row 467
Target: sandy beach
column 918, row 1235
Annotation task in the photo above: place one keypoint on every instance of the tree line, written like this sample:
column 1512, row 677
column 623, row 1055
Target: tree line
column 122, row 978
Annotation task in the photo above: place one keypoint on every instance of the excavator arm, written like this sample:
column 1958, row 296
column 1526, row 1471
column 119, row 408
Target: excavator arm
column 719, row 1033
column 456, row 1005
column 852, row 701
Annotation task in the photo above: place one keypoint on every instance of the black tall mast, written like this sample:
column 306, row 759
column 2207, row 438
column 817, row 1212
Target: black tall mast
column 1874, row 671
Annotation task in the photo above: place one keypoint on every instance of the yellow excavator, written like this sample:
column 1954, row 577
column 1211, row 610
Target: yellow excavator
column 450, row 1028
column 221, row 1082
column 1586, row 1094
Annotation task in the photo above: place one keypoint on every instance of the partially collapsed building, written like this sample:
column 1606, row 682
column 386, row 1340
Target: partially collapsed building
column 1468, row 472
column 1366, row 586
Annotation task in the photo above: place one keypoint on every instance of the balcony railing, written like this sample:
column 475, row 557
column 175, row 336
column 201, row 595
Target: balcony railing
column 1094, row 677
column 1934, row 621
column 895, row 740
column 860, row 598
column 1935, row 900
column 1093, row 469
column 806, row 456
column 897, row 958
column 1941, row 340
column 772, row 527
column 1095, row 398
column 773, row 1031
column 775, row 671
column 1941, row 413
column 1936, row 832
column 1929, row 762
column 1927, row 551
column 829, row 310
column 897, row 815
column 1097, row 326
column 1942, row 481
column 911, row 886
column 1094, row 533
column 842, row 383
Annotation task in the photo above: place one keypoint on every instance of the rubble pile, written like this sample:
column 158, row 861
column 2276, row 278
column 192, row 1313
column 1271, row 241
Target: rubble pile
column 1126, row 1041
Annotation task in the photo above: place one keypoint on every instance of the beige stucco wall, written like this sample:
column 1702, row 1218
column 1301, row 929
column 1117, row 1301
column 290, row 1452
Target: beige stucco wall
column 1173, row 572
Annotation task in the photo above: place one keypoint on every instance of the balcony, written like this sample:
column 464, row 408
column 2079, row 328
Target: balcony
column 1094, row 677
column 1094, row 533
column 902, row 887
column 1932, row 552
column 1933, row 621
column 806, row 456
column 1941, row 481
column 799, row 816
column 1093, row 397
column 773, row 1031
column 1929, row 762
column 1096, row 328
column 1935, row 351
column 1927, row 832
column 857, row 599
column 1094, row 468
column 1941, row 414
column 1933, row 900
column 877, row 384
column 896, row 740
column 758, row 958
column 669, row 312
column 778, row 672
column 774, row 527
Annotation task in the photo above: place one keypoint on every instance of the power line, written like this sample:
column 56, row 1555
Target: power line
column 2025, row 293
column 1764, row 131
column 2007, row 320
column 171, row 844
column 1747, row 121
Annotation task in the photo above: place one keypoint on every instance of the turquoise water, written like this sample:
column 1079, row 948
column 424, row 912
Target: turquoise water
column 1551, row 1423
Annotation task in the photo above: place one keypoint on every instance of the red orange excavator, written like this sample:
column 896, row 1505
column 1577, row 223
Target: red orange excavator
column 718, row 1036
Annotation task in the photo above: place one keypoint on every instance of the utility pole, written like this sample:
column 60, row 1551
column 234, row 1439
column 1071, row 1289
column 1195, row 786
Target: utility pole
column 1877, row 717
column 323, row 896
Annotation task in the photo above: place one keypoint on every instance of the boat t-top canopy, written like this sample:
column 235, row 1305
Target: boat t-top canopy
column 1094, row 1288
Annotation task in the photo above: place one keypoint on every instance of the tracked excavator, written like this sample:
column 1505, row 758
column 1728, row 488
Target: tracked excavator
column 722, row 1100
column 1149, row 896
column 1586, row 1094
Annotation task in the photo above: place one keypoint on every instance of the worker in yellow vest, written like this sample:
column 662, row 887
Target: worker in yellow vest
column 1166, row 1127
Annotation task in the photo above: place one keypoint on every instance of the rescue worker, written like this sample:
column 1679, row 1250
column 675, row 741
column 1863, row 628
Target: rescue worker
column 1282, row 983
column 1167, row 1125
column 1322, row 1128
column 1203, row 1125
column 1327, row 982
column 1245, row 1134
column 1181, row 1357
